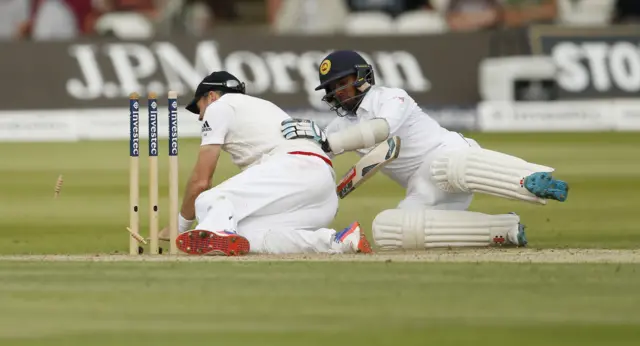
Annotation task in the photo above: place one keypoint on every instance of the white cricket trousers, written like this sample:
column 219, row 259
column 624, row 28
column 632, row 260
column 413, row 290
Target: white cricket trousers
column 281, row 205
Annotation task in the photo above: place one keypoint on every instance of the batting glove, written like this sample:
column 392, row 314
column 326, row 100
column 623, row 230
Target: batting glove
column 304, row 128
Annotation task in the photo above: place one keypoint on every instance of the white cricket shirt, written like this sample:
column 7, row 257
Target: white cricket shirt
column 248, row 128
column 419, row 132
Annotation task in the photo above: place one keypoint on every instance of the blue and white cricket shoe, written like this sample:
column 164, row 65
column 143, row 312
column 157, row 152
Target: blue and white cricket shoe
column 544, row 185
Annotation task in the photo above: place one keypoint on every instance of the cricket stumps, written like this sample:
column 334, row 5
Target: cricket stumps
column 135, row 239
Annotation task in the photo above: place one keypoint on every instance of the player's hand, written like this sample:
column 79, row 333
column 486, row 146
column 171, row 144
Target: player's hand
column 304, row 128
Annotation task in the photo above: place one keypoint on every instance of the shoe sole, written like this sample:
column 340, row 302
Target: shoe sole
column 198, row 242
column 543, row 185
column 363, row 243
column 364, row 246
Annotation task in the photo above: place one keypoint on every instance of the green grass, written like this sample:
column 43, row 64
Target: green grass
column 314, row 303
column 92, row 213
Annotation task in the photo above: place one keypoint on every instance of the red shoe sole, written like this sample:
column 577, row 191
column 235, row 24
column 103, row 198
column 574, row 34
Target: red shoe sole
column 198, row 242
column 364, row 246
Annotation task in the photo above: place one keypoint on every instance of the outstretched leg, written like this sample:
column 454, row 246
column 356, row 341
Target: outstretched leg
column 490, row 172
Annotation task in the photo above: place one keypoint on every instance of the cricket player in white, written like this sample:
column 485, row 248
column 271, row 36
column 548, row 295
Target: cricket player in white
column 440, row 169
column 280, row 202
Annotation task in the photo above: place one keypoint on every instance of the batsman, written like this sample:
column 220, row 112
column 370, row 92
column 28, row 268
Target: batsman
column 441, row 170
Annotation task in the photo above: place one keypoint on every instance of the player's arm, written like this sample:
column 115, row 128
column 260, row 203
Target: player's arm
column 390, row 113
column 216, row 120
column 360, row 136
column 200, row 179
column 336, row 125
column 363, row 135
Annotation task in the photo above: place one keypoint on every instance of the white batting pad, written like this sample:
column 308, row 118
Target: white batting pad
column 422, row 229
column 485, row 171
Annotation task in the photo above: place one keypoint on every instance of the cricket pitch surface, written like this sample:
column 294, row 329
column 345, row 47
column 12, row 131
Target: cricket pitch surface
column 428, row 256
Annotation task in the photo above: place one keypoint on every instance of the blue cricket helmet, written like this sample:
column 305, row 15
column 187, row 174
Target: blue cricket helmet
column 340, row 64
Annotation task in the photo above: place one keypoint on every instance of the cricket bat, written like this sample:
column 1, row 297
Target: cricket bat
column 369, row 165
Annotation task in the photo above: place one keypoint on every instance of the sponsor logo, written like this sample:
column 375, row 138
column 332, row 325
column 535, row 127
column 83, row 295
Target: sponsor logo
column 153, row 128
column 545, row 116
column 602, row 62
column 153, row 133
column 113, row 70
column 602, row 66
column 8, row 125
column 173, row 130
column 134, row 145
column 206, row 127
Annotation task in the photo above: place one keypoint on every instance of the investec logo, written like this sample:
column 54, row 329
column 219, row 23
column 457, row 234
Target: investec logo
column 135, row 130
column 153, row 129
column 173, row 129
column 162, row 67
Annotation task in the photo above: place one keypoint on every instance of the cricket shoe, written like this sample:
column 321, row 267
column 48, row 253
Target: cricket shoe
column 224, row 243
column 517, row 236
column 354, row 237
column 544, row 185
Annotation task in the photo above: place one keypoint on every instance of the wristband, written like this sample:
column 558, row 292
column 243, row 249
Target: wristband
column 183, row 224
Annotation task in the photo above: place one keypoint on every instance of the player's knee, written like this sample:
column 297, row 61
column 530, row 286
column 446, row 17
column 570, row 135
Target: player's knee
column 447, row 171
column 202, row 199
column 209, row 200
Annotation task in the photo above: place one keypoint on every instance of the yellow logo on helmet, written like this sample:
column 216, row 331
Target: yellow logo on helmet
column 325, row 67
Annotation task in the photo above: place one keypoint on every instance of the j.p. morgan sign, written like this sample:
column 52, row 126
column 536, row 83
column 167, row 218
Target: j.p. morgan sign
column 281, row 69
column 162, row 66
